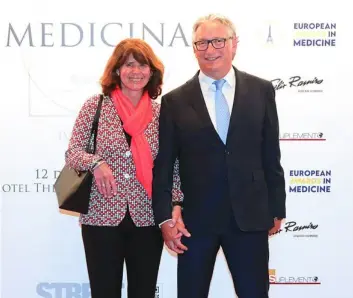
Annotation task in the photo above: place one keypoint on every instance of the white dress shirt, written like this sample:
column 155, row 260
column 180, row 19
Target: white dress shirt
column 209, row 92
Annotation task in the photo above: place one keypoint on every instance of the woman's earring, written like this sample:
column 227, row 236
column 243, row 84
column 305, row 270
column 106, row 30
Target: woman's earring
column 117, row 72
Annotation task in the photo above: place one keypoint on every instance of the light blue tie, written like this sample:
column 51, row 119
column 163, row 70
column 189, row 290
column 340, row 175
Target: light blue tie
column 222, row 111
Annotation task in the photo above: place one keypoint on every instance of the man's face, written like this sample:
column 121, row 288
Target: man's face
column 214, row 62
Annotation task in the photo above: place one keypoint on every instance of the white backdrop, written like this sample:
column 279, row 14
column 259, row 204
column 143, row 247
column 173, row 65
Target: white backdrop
column 49, row 70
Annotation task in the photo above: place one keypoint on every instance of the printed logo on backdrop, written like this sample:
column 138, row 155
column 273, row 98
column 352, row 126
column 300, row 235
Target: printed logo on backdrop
column 71, row 35
column 63, row 61
column 159, row 291
column 43, row 182
column 302, row 136
column 75, row 290
column 298, row 230
column 68, row 290
column 310, row 181
column 269, row 35
column 314, row 34
column 302, row 84
column 279, row 279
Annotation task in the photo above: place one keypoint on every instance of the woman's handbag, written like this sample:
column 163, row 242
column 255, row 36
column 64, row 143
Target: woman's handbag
column 73, row 187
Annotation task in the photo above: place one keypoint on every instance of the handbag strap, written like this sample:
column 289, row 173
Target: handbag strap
column 94, row 128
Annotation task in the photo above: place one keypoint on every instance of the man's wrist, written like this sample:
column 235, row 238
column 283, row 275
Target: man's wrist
column 177, row 203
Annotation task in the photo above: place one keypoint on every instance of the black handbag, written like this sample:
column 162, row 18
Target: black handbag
column 72, row 187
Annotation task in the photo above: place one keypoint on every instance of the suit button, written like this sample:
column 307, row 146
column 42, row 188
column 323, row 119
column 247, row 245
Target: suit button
column 227, row 152
column 126, row 176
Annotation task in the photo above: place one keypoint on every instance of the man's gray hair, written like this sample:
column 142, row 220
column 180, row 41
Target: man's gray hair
column 214, row 18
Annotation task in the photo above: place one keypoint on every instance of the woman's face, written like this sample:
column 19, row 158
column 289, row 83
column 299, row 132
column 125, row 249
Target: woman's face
column 134, row 75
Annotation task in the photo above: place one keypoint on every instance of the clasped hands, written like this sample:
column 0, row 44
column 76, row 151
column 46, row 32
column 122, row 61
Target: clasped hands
column 173, row 230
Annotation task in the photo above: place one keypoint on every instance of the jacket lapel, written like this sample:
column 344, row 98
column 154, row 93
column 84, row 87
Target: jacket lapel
column 111, row 115
column 240, row 94
column 197, row 102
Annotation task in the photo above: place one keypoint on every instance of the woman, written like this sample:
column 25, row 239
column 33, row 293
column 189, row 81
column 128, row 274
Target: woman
column 119, row 225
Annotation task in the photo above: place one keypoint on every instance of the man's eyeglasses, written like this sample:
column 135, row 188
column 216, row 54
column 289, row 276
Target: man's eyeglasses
column 217, row 43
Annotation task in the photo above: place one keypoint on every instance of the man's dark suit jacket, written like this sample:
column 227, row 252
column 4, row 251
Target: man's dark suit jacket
column 242, row 178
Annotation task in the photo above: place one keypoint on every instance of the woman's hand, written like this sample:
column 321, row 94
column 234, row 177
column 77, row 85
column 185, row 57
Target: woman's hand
column 105, row 180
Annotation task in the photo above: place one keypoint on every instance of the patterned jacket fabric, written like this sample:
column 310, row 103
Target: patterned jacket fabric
column 112, row 146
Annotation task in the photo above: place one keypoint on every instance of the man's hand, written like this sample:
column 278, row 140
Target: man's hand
column 170, row 236
column 276, row 227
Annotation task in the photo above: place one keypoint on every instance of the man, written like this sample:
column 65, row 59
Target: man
column 222, row 126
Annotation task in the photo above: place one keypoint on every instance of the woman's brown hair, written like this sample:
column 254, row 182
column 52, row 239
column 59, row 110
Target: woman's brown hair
column 142, row 53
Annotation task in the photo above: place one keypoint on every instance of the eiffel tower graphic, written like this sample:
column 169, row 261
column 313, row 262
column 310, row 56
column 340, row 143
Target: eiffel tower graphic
column 269, row 37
